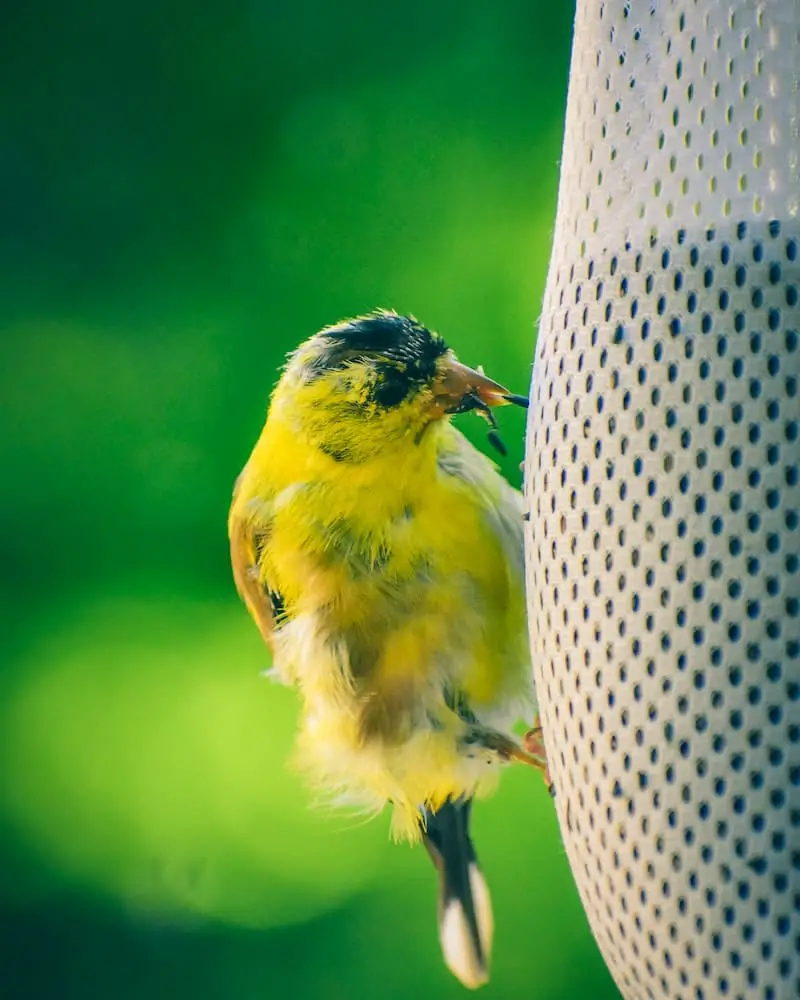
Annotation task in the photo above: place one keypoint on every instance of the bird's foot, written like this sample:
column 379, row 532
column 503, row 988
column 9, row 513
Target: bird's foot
column 503, row 746
column 533, row 742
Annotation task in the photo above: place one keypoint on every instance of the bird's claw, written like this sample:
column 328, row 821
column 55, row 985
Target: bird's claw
column 506, row 748
column 533, row 742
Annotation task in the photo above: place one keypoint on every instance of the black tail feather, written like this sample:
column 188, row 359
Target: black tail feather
column 465, row 922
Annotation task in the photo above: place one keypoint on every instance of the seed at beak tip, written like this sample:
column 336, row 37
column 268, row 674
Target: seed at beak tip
column 512, row 397
column 497, row 443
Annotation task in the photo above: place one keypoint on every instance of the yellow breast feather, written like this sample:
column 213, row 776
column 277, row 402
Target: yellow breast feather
column 391, row 608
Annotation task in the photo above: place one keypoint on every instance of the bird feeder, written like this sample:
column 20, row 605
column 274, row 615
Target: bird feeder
column 663, row 539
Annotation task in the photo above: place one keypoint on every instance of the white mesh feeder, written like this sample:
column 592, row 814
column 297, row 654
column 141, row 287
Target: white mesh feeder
column 663, row 495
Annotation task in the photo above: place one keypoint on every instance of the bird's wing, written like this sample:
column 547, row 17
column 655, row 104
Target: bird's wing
column 502, row 509
column 500, row 502
column 247, row 538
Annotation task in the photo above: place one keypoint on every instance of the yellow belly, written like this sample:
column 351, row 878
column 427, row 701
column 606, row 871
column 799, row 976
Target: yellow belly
column 400, row 597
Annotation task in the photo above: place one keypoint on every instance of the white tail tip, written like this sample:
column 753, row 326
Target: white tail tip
column 464, row 959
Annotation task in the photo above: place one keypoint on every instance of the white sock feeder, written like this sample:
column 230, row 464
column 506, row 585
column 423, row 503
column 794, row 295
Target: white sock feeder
column 662, row 485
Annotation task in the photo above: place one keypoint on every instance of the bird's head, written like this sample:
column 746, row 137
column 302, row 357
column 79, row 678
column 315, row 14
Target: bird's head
column 357, row 388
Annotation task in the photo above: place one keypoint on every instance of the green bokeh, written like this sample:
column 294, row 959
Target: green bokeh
column 187, row 190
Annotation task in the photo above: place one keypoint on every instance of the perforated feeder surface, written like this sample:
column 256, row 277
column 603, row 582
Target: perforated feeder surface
column 662, row 485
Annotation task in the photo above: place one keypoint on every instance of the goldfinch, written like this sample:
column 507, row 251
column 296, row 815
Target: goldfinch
column 381, row 557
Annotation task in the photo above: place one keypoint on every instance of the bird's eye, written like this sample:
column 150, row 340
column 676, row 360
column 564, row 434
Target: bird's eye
column 392, row 390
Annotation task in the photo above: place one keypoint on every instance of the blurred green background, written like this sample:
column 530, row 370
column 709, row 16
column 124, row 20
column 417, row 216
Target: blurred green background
column 186, row 191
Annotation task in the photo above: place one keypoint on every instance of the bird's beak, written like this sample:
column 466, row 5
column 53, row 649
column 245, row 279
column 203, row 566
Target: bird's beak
column 458, row 388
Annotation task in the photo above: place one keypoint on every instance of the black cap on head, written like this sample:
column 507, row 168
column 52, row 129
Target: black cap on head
column 403, row 351
column 388, row 335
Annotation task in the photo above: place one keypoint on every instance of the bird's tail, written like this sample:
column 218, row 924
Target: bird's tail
column 465, row 909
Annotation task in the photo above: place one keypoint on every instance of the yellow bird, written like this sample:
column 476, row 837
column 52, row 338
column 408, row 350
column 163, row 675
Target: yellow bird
column 381, row 556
